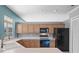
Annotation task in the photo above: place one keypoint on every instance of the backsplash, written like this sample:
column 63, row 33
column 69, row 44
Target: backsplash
column 32, row 35
column 28, row 35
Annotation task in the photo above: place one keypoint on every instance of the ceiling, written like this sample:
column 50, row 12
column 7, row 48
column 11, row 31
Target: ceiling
column 42, row 13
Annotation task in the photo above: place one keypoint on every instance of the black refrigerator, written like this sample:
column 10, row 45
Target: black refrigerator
column 62, row 39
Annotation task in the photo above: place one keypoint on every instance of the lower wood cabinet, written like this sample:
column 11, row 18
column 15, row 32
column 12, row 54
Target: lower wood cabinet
column 29, row 43
column 34, row 43
column 37, row 44
column 52, row 44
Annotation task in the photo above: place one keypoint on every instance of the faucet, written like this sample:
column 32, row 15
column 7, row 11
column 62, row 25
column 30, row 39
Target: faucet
column 1, row 43
column 2, row 38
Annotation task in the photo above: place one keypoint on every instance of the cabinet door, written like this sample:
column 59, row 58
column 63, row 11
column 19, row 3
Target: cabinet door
column 31, row 28
column 52, row 44
column 19, row 28
column 25, row 28
column 31, row 43
column 37, row 43
column 26, row 43
column 36, row 28
column 50, row 28
column 60, row 25
column 43, row 25
column 34, row 43
column 53, row 27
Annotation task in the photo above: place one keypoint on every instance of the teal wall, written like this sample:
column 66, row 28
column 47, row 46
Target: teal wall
column 4, row 10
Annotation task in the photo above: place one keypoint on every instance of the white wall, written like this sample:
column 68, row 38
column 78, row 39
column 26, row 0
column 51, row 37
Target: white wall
column 75, row 34
column 74, row 30
column 67, row 23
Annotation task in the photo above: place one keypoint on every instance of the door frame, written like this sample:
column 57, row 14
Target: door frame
column 71, row 32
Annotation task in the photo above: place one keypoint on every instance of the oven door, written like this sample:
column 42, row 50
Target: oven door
column 44, row 43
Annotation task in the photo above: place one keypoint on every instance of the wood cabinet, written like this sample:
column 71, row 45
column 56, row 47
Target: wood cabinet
column 36, row 43
column 43, row 26
column 57, row 26
column 36, row 28
column 52, row 44
column 29, row 43
column 30, row 28
column 60, row 26
column 25, row 28
column 19, row 28
column 54, row 26
column 50, row 28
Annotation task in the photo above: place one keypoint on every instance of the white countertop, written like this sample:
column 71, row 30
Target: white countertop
column 37, row 38
column 34, row 50
column 34, row 36
column 22, row 49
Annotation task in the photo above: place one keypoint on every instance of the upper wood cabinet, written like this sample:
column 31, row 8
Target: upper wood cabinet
column 25, row 28
column 57, row 26
column 60, row 26
column 36, row 28
column 43, row 25
column 50, row 28
column 30, row 28
column 19, row 28
column 54, row 26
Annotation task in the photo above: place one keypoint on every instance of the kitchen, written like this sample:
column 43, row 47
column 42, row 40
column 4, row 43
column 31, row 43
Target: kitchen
column 44, row 27
column 39, row 29
column 38, row 35
column 43, row 40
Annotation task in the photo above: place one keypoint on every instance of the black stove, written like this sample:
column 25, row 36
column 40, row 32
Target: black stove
column 44, row 37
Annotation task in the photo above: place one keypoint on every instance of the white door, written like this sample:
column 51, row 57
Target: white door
column 75, row 35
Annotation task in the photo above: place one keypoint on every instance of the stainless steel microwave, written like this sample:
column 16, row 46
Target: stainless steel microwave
column 44, row 30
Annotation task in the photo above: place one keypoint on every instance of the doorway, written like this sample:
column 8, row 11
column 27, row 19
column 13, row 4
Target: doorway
column 74, row 35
